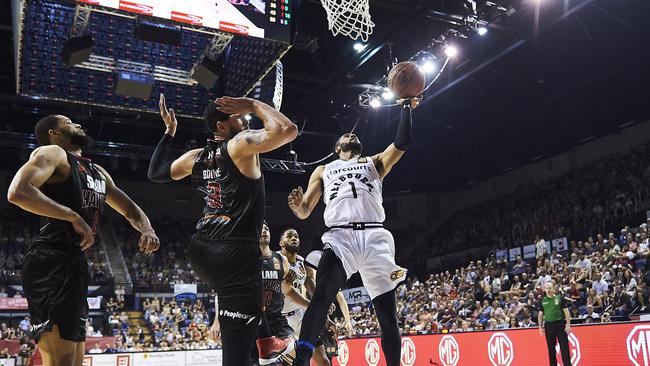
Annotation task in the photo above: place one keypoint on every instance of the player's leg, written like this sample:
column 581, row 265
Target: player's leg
column 551, row 338
column 55, row 350
column 331, row 276
column 563, row 341
column 320, row 356
column 79, row 353
column 381, row 276
column 391, row 342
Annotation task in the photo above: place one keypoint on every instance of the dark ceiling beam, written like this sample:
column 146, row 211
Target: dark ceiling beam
column 401, row 24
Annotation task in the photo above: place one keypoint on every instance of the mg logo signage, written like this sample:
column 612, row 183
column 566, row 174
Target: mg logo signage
column 344, row 353
column 448, row 351
column 574, row 350
column 500, row 349
column 372, row 352
column 638, row 345
column 408, row 352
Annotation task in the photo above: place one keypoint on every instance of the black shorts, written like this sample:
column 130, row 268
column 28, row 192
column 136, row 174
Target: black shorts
column 279, row 325
column 234, row 270
column 56, row 287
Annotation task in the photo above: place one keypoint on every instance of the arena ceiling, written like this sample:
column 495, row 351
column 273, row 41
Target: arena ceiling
column 537, row 84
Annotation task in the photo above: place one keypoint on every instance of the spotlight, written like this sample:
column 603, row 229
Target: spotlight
column 387, row 94
column 359, row 47
column 375, row 102
column 248, row 117
column 482, row 31
column 429, row 66
column 451, row 51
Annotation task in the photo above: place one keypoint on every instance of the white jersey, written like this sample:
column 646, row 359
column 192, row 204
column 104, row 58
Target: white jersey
column 352, row 192
column 299, row 284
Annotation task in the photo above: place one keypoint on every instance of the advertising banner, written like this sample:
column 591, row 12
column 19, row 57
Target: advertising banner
column 357, row 295
column 13, row 303
column 590, row 345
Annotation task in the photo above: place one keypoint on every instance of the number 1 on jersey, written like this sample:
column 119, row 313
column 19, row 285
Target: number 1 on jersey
column 354, row 190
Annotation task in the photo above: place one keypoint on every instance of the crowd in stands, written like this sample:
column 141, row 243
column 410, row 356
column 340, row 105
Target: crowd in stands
column 604, row 279
column 163, row 269
column 17, row 228
column 587, row 199
column 177, row 326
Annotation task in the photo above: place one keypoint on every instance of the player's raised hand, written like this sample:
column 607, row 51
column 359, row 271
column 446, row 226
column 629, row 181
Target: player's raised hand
column 414, row 102
column 295, row 198
column 149, row 242
column 168, row 116
column 232, row 105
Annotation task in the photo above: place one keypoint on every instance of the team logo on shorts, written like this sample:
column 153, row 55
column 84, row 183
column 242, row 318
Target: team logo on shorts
column 500, row 349
column 372, row 352
column 344, row 353
column 449, row 351
column 408, row 352
column 638, row 345
column 396, row 275
column 574, row 350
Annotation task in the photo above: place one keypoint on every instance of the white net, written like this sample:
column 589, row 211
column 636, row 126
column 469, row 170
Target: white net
column 349, row 17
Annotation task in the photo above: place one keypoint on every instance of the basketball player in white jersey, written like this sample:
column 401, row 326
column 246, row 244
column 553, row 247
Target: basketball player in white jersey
column 356, row 241
column 304, row 283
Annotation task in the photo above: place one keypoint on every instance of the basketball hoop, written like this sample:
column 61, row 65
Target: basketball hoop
column 349, row 17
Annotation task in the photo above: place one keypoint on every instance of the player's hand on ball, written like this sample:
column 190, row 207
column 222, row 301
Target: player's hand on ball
column 168, row 116
column 232, row 105
column 149, row 242
column 295, row 198
column 414, row 102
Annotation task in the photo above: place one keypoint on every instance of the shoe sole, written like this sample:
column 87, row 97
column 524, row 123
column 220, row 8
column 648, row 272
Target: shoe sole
column 274, row 358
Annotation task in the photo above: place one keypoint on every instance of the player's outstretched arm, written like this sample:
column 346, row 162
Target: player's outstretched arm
column 302, row 204
column 124, row 205
column 25, row 193
column 162, row 167
column 385, row 160
column 278, row 129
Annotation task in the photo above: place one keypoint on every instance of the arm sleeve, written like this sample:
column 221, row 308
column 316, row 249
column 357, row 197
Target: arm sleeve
column 403, row 136
column 160, row 165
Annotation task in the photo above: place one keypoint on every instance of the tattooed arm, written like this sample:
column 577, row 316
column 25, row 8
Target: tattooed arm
column 278, row 129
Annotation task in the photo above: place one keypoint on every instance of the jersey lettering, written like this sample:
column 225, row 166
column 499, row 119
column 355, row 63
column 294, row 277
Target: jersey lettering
column 214, row 195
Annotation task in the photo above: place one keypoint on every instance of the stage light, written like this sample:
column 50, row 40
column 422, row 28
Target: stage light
column 451, row 51
column 482, row 31
column 387, row 94
column 359, row 47
column 428, row 66
column 248, row 117
column 375, row 102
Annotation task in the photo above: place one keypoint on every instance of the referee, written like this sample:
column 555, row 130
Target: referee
column 554, row 316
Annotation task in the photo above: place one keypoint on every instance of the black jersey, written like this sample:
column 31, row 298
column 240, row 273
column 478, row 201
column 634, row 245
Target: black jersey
column 85, row 193
column 272, row 277
column 234, row 203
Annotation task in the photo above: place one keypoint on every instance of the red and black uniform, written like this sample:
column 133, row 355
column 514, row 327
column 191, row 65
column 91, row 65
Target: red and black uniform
column 225, row 251
column 55, row 270
column 272, row 277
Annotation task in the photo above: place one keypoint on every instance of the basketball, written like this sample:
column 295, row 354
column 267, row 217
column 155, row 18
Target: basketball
column 406, row 80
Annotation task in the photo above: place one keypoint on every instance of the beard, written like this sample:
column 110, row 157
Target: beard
column 293, row 249
column 81, row 141
column 354, row 147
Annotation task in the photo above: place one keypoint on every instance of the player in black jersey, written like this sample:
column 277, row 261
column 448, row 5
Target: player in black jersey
column 276, row 284
column 225, row 249
column 69, row 192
